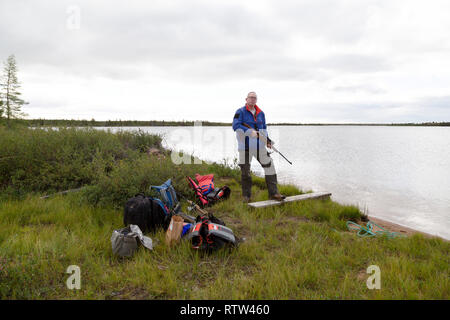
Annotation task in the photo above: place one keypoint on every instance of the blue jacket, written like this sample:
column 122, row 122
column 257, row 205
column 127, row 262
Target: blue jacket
column 257, row 121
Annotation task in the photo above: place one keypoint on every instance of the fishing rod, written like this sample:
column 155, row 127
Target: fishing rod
column 193, row 206
column 265, row 137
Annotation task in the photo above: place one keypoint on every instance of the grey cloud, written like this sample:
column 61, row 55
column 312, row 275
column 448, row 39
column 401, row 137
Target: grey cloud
column 422, row 110
column 441, row 102
column 336, row 22
column 199, row 40
column 263, row 66
column 359, row 88
column 354, row 63
column 278, row 66
column 128, row 35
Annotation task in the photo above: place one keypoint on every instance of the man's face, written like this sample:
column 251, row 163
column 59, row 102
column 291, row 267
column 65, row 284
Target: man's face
column 251, row 99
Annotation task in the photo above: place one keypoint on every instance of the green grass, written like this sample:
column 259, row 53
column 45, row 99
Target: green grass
column 296, row 251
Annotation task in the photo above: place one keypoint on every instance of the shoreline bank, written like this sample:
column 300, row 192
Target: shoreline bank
column 408, row 231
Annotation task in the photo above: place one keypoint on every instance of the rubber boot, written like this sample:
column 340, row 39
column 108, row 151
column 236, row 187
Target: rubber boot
column 271, row 182
column 246, row 181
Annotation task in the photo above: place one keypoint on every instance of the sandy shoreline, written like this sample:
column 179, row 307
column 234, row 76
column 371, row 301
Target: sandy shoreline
column 391, row 226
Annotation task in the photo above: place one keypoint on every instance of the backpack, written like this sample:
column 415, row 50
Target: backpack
column 148, row 213
column 209, row 236
column 167, row 196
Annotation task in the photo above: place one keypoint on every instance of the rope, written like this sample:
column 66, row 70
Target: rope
column 368, row 230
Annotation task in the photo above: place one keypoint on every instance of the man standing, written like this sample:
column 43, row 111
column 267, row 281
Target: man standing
column 250, row 145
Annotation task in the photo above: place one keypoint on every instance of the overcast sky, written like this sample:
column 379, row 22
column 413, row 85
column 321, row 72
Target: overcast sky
column 308, row 61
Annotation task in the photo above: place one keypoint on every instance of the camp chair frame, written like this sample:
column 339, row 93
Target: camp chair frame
column 204, row 201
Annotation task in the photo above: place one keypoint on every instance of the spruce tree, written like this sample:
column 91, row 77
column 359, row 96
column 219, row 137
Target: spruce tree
column 10, row 94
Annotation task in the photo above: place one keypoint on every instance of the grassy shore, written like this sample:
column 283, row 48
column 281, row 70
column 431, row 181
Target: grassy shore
column 296, row 251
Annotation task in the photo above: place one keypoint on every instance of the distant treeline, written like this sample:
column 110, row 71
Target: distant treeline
column 157, row 123
column 116, row 123
column 429, row 124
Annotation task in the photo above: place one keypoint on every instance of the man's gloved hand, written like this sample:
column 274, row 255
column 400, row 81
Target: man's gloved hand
column 270, row 143
column 254, row 134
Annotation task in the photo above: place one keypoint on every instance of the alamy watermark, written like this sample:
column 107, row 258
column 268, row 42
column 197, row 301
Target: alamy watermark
column 73, row 21
column 374, row 281
column 74, row 280
column 214, row 141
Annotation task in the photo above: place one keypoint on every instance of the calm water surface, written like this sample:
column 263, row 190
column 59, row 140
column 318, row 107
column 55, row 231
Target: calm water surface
column 400, row 174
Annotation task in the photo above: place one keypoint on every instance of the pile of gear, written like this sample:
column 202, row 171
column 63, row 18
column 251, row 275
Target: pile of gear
column 147, row 214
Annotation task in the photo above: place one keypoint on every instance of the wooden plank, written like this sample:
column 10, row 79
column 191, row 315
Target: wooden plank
column 62, row 192
column 299, row 197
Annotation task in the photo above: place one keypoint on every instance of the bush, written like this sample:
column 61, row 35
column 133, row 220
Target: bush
column 36, row 160
column 131, row 177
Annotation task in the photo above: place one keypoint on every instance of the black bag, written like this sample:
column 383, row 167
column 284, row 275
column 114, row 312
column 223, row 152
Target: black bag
column 145, row 212
column 219, row 194
column 160, row 216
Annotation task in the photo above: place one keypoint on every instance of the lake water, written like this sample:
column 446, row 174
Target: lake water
column 400, row 174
